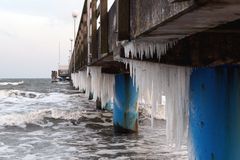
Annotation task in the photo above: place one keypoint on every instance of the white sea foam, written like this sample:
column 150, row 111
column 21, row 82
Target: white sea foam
column 19, row 108
column 11, row 83
column 37, row 117
column 35, row 96
column 18, row 93
column 3, row 93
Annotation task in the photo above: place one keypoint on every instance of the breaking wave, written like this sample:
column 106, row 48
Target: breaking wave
column 18, row 93
column 37, row 117
column 11, row 83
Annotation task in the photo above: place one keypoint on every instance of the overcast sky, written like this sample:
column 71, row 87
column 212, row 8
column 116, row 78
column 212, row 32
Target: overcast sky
column 30, row 31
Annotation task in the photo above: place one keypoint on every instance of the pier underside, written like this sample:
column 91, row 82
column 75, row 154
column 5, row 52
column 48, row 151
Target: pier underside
column 188, row 52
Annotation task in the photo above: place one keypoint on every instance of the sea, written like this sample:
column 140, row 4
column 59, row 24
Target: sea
column 40, row 120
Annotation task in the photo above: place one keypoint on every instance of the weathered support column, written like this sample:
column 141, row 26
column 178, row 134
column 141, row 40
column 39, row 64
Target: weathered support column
column 215, row 113
column 125, row 112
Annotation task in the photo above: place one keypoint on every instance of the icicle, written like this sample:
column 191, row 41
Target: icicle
column 75, row 80
column 169, row 83
column 96, row 81
column 107, row 92
column 81, row 81
column 147, row 49
column 102, row 85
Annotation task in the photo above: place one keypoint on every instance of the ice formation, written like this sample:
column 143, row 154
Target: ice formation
column 96, row 82
column 138, row 49
column 168, row 84
column 107, row 91
column 102, row 85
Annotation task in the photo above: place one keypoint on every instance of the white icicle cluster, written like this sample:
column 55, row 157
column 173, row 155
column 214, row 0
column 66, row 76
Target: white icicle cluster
column 102, row 85
column 147, row 49
column 74, row 77
column 96, row 82
column 81, row 81
column 159, row 82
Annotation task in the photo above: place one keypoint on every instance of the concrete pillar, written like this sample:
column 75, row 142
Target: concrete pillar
column 214, row 126
column 125, row 112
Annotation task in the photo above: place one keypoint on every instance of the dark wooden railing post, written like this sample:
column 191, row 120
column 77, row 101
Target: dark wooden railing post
column 104, row 26
column 123, row 19
column 94, row 49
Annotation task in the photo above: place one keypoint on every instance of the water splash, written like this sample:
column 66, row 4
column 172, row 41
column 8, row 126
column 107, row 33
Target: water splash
column 18, row 93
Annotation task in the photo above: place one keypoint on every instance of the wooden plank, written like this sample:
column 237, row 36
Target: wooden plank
column 94, row 49
column 123, row 19
column 103, row 27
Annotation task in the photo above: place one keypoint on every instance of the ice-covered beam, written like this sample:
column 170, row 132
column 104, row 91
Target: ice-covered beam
column 148, row 50
column 212, row 47
column 216, row 46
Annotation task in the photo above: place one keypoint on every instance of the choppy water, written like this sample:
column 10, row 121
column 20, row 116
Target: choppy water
column 45, row 121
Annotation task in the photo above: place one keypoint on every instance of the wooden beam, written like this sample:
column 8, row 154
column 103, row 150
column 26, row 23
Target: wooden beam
column 123, row 19
column 94, row 49
column 103, row 26
column 98, row 11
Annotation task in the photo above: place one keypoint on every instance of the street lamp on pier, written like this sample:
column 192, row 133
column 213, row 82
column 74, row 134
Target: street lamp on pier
column 74, row 15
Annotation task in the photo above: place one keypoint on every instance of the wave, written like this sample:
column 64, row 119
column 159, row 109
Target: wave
column 11, row 83
column 18, row 93
column 51, row 117
column 37, row 117
column 63, row 82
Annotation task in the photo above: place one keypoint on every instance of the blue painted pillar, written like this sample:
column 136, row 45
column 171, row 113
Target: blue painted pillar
column 125, row 112
column 108, row 106
column 214, row 126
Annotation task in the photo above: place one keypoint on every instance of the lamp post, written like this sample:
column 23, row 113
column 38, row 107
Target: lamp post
column 74, row 15
column 71, row 45
column 71, row 50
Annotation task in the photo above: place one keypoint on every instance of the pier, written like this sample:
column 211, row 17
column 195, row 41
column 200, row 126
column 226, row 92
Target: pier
column 182, row 55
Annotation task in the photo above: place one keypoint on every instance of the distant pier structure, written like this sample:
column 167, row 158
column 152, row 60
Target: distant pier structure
column 185, row 53
column 54, row 76
column 63, row 72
